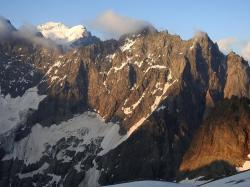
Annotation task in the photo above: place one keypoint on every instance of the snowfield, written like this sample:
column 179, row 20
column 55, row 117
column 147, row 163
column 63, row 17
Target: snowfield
column 151, row 184
column 238, row 180
column 13, row 111
column 85, row 127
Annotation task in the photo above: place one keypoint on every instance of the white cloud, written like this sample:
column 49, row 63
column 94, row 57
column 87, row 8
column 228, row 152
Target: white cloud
column 27, row 32
column 114, row 25
column 246, row 51
column 232, row 43
column 5, row 27
column 200, row 34
column 226, row 44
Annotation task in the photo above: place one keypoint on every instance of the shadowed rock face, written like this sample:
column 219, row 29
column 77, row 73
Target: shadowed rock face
column 152, row 152
column 156, row 86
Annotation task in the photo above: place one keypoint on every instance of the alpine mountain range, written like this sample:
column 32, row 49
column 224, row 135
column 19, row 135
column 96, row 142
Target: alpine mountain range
column 79, row 111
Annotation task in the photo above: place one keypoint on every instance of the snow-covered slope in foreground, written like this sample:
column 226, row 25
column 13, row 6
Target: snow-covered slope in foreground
column 239, row 180
column 62, row 34
column 151, row 184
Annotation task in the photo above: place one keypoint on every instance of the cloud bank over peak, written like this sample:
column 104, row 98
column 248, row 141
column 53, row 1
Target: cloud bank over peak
column 232, row 43
column 113, row 25
column 26, row 32
column 226, row 44
column 5, row 27
column 246, row 51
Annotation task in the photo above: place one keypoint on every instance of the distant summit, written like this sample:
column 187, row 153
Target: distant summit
column 64, row 35
column 60, row 33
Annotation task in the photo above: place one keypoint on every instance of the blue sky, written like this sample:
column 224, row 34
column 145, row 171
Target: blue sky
column 219, row 18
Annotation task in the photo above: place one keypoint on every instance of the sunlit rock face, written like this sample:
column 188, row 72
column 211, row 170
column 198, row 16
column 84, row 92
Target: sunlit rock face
column 221, row 144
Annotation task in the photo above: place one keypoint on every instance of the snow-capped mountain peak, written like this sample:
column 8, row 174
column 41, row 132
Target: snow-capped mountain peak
column 61, row 33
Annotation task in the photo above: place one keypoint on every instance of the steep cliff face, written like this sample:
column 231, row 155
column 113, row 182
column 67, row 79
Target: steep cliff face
column 238, row 72
column 221, row 144
column 150, row 92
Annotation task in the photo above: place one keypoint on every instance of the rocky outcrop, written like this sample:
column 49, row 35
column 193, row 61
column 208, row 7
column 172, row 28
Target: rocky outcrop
column 238, row 73
column 221, row 141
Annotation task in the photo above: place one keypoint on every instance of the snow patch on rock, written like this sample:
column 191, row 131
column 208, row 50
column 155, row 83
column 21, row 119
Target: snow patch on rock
column 155, row 67
column 129, row 110
column 156, row 103
column 91, row 177
column 246, row 165
column 128, row 44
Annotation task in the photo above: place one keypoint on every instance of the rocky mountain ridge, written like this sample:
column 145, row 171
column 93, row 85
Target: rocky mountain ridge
column 154, row 88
